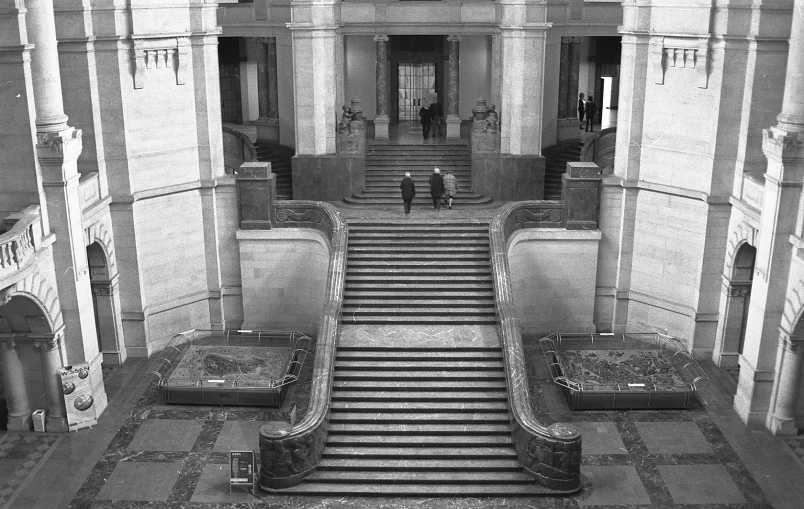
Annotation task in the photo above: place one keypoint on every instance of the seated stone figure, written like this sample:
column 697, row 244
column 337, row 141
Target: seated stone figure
column 492, row 120
column 346, row 119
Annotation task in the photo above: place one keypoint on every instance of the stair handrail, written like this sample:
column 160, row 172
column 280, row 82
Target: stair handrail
column 598, row 149
column 289, row 456
column 248, row 152
column 551, row 454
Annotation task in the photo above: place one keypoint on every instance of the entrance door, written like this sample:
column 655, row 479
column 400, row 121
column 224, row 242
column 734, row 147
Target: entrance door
column 416, row 81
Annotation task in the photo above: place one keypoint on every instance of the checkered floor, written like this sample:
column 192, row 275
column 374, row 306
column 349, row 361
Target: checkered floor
column 20, row 454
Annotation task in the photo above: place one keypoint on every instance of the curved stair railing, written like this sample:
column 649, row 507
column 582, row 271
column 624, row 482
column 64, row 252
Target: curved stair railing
column 293, row 453
column 600, row 149
column 551, row 454
column 237, row 149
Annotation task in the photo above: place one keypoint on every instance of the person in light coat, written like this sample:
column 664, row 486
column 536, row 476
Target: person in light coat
column 450, row 187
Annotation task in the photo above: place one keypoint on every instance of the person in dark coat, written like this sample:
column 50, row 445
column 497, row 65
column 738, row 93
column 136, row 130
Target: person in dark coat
column 591, row 112
column 581, row 109
column 408, row 191
column 436, row 113
column 426, row 120
column 436, row 188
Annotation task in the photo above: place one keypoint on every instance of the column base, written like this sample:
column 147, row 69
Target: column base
column 381, row 127
column 267, row 130
column 453, row 127
column 56, row 424
column 20, row 422
column 783, row 428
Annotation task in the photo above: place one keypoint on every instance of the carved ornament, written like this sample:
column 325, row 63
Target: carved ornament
column 59, row 142
column 682, row 53
column 298, row 215
column 161, row 52
column 539, row 215
column 792, row 344
column 783, row 144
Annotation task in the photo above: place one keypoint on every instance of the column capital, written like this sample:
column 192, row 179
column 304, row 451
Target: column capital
column 782, row 145
column 8, row 341
column 45, row 342
column 454, row 38
column 65, row 145
column 381, row 38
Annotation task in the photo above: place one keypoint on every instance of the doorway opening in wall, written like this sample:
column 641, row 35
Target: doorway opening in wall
column 416, row 82
column 738, row 301
column 231, row 50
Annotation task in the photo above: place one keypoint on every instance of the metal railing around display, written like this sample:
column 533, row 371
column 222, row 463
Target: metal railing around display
column 209, row 390
column 635, row 393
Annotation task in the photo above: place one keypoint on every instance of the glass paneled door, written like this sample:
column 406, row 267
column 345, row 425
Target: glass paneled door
column 416, row 81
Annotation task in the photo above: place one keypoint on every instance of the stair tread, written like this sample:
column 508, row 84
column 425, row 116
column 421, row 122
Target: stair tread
column 412, row 417
column 419, row 441
column 413, row 375
column 419, row 406
column 412, row 430
column 442, row 489
column 354, row 395
column 416, row 453
column 416, row 464
column 418, row 365
column 421, row 385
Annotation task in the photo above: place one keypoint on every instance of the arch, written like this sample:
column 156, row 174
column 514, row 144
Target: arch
column 743, row 234
column 793, row 308
column 98, row 233
column 43, row 293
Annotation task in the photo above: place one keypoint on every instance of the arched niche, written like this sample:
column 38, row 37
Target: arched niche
column 106, row 305
column 738, row 297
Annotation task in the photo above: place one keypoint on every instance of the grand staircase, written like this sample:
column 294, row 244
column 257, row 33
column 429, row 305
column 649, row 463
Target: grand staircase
column 406, row 272
column 386, row 166
column 556, row 165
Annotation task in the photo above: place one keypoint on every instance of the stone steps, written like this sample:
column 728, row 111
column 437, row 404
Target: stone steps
column 555, row 167
column 281, row 167
column 386, row 166
column 408, row 425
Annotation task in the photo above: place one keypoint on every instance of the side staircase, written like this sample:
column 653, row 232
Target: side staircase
column 556, row 165
column 280, row 165
column 407, row 272
column 386, row 166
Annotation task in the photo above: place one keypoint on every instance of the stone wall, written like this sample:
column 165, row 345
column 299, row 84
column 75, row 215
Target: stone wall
column 284, row 273
column 553, row 273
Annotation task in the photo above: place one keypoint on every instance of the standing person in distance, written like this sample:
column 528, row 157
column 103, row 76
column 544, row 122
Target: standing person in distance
column 591, row 112
column 436, row 113
column 436, row 188
column 408, row 192
column 581, row 109
column 450, row 187
column 425, row 119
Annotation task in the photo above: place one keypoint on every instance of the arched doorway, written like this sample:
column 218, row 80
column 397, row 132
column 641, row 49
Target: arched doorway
column 738, row 298
column 106, row 306
column 30, row 355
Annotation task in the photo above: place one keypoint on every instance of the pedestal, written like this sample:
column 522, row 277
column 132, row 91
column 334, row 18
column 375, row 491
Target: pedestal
column 453, row 127
column 381, row 127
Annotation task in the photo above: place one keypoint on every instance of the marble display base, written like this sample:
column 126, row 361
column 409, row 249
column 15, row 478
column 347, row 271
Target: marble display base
column 381, row 127
column 507, row 177
column 329, row 177
column 267, row 130
column 453, row 127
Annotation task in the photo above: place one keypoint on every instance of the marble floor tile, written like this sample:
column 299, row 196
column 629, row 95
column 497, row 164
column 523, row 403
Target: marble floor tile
column 612, row 485
column 150, row 482
column 166, row 435
column 700, row 484
column 600, row 438
column 239, row 436
column 673, row 438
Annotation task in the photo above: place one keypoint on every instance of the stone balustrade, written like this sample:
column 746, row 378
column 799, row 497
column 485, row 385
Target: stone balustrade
column 601, row 149
column 288, row 454
column 19, row 244
column 551, row 454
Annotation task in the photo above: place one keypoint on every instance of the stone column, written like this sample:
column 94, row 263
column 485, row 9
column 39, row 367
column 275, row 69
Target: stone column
column 381, row 119
column 574, row 70
column 50, row 355
column 19, row 408
column 58, row 147
column 453, row 117
column 314, row 80
column 789, row 365
column 563, row 78
column 783, row 145
column 268, row 98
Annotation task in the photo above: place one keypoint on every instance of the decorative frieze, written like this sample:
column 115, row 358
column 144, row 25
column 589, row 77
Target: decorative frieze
column 150, row 53
column 691, row 53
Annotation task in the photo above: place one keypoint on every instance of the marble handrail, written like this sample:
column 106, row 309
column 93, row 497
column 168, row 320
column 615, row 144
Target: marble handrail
column 237, row 149
column 18, row 244
column 290, row 454
column 600, row 149
column 551, row 454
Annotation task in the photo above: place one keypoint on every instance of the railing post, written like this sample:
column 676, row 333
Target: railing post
column 581, row 192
